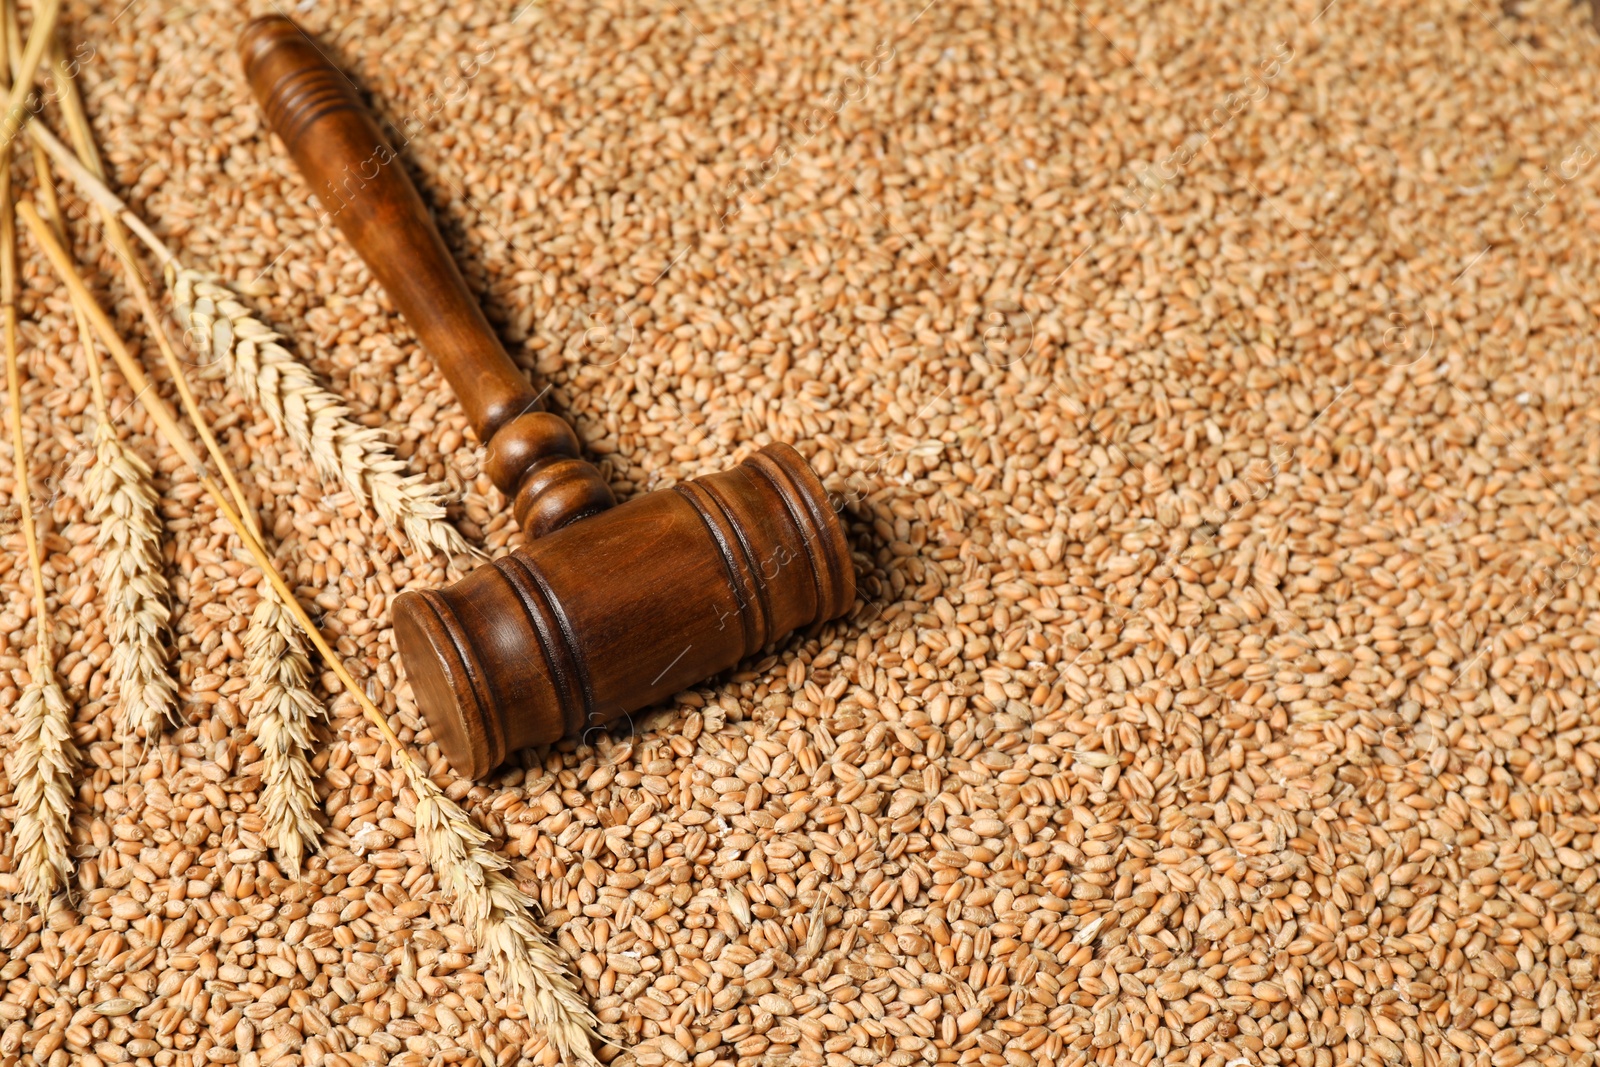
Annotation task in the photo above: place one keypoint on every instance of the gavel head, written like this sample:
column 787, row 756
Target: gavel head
column 618, row 611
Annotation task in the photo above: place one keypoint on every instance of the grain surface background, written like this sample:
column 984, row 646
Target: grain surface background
column 1214, row 389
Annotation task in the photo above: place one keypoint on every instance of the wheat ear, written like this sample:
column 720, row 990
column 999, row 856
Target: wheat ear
column 501, row 918
column 483, row 898
column 223, row 330
column 266, row 373
column 41, row 766
column 128, row 540
column 43, row 756
column 281, row 706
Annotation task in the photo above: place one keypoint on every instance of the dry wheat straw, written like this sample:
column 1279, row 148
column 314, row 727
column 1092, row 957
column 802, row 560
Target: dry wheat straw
column 40, row 36
column 483, row 898
column 281, row 705
column 225, row 332
column 43, row 757
column 500, row 917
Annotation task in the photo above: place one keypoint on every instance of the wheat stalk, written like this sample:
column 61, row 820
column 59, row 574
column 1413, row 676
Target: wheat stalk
column 281, row 706
column 501, row 918
column 224, row 331
column 26, row 65
column 482, row 896
column 119, row 498
column 250, row 354
column 43, row 756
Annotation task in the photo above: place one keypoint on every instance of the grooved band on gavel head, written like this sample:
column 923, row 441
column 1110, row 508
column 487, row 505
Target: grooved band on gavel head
column 623, row 609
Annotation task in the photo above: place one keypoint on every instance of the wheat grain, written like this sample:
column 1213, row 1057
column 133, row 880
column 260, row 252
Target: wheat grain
column 226, row 333
column 281, row 706
column 1390, row 864
column 119, row 498
column 500, row 916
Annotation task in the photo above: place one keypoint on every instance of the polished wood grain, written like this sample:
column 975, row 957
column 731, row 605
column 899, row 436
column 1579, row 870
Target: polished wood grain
column 315, row 110
column 596, row 618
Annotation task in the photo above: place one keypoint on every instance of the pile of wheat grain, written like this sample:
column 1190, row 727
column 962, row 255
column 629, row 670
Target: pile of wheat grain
column 1216, row 395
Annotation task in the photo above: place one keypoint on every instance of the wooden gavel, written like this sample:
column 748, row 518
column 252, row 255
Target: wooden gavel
column 596, row 618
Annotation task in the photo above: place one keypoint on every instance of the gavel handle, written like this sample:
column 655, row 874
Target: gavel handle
column 313, row 108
